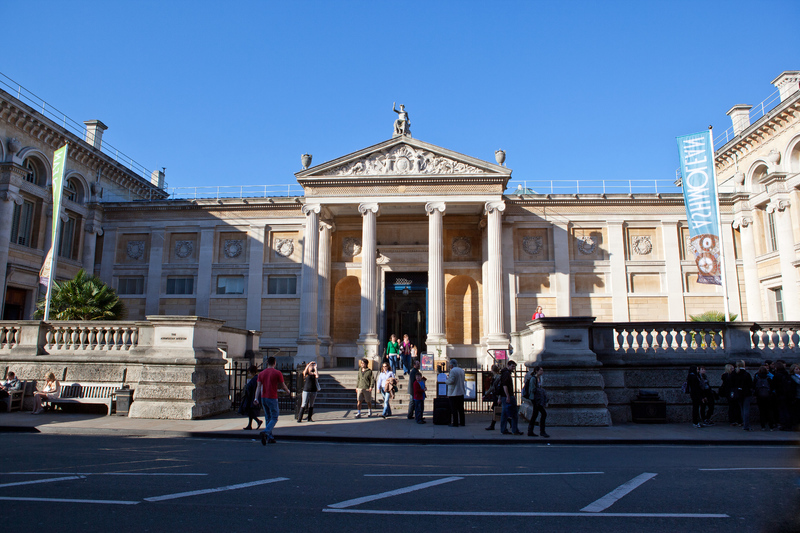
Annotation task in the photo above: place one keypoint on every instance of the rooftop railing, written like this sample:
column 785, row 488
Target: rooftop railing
column 756, row 113
column 24, row 95
column 592, row 187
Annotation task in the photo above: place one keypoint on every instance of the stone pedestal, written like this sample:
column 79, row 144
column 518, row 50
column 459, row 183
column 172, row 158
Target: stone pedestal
column 183, row 373
column 571, row 378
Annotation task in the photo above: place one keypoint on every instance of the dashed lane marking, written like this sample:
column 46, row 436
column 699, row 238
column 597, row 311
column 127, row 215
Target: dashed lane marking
column 488, row 474
column 526, row 514
column 100, row 474
column 17, row 483
column 65, row 500
column 612, row 497
column 380, row 496
column 218, row 489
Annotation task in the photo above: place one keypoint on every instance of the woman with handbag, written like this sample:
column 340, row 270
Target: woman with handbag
column 393, row 351
column 247, row 407
column 310, row 389
column 492, row 396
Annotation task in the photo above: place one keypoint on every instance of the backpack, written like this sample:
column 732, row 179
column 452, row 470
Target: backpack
column 762, row 387
column 526, row 389
column 685, row 388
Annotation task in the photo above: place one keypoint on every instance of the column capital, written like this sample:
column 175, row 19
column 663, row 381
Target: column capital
column 430, row 207
column 93, row 228
column 742, row 222
column 779, row 204
column 369, row 208
column 494, row 205
column 330, row 226
column 311, row 208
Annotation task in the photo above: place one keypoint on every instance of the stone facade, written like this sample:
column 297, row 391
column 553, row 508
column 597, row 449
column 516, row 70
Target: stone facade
column 319, row 273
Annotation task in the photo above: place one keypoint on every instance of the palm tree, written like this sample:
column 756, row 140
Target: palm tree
column 85, row 297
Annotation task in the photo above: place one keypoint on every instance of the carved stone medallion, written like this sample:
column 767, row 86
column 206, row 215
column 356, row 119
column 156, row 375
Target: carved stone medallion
column 587, row 244
column 184, row 249
column 462, row 246
column 135, row 249
column 284, row 247
column 642, row 245
column 351, row 246
column 532, row 245
column 233, row 248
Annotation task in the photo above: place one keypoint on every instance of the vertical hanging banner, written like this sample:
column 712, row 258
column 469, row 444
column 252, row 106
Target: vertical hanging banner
column 700, row 197
column 48, row 268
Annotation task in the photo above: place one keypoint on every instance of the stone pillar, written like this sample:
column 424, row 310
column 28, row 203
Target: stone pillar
column 671, row 236
column 8, row 199
column 496, row 337
column 436, row 337
column 324, row 290
column 155, row 260
column 731, row 278
column 563, row 290
column 308, row 343
column 752, row 287
column 109, row 256
column 92, row 230
column 205, row 259
column 785, row 238
column 255, row 277
column 368, row 339
column 619, row 272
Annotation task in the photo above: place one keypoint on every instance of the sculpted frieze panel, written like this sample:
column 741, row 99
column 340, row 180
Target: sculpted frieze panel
column 404, row 159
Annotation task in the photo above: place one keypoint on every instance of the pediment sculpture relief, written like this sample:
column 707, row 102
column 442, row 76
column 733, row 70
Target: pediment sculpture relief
column 404, row 159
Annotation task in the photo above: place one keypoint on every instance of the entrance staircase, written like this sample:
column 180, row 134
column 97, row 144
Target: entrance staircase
column 339, row 390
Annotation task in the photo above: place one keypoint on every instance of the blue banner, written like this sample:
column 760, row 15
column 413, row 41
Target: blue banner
column 700, row 198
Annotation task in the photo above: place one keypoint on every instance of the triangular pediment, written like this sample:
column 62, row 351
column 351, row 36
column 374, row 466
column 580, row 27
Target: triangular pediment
column 404, row 156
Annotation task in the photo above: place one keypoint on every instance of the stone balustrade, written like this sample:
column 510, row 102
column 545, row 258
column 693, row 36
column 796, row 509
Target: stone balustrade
column 175, row 364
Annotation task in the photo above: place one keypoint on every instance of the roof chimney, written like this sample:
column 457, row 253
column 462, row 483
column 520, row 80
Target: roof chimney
column 94, row 132
column 740, row 116
column 788, row 83
column 157, row 178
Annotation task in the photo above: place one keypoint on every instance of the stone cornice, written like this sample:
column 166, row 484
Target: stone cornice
column 36, row 125
column 200, row 205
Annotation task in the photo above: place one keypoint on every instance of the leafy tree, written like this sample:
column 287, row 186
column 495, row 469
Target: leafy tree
column 85, row 297
column 712, row 316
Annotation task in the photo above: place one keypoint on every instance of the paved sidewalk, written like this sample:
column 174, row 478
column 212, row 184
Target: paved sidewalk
column 341, row 426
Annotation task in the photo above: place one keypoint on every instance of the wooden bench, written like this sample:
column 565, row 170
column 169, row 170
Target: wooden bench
column 15, row 398
column 86, row 393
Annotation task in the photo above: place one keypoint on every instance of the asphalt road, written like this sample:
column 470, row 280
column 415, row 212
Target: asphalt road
column 82, row 483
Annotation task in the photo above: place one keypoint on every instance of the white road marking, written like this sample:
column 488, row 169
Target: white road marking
column 218, row 489
column 41, row 481
column 753, row 468
column 412, row 488
column 488, row 474
column 98, row 474
column 527, row 514
column 612, row 497
column 65, row 500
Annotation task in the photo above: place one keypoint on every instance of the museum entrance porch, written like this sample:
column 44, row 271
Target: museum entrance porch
column 405, row 299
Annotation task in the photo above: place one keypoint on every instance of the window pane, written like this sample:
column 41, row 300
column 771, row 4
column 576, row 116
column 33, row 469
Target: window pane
column 282, row 285
column 180, row 285
column 131, row 286
column 230, row 285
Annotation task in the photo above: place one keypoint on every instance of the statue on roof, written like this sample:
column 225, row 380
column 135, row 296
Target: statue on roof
column 402, row 126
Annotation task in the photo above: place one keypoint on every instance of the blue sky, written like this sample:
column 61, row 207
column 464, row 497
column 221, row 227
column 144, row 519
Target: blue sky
column 233, row 94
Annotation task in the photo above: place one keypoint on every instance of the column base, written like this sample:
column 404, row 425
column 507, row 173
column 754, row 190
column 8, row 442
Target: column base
column 368, row 347
column 307, row 351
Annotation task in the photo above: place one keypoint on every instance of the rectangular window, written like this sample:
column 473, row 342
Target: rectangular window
column 230, row 285
column 131, row 285
column 282, row 285
column 66, row 239
column 22, row 224
column 180, row 285
column 772, row 242
column 778, row 293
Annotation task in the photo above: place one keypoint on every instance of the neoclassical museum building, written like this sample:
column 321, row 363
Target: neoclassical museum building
column 401, row 237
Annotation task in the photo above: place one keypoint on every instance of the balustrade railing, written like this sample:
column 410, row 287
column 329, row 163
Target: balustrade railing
column 90, row 336
column 9, row 336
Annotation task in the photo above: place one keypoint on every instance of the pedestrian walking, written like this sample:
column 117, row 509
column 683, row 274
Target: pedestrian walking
column 405, row 354
column 365, row 381
column 249, row 408
column 393, row 352
column 493, row 394
column 765, row 398
column 707, row 405
column 269, row 381
column 456, row 388
column 538, row 396
column 696, row 393
column 412, row 377
column 311, row 387
column 742, row 392
column 419, row 398
column 726, row 391
column 510, row 407
column 385, row 382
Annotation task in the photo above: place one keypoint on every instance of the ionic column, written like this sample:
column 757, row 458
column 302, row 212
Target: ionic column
column 92, row 230
column 109, row 256
column 368, row 339
column 255, row 277
column 752, row 288
column 324, row 289
column 562, row 275
column 785, row 238
column 7, row 201
column 436, row 336
column 496, row 338
column 308, row 343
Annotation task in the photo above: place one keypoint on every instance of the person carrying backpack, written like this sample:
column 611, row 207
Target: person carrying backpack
column 765, row 398
column 537, row 395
